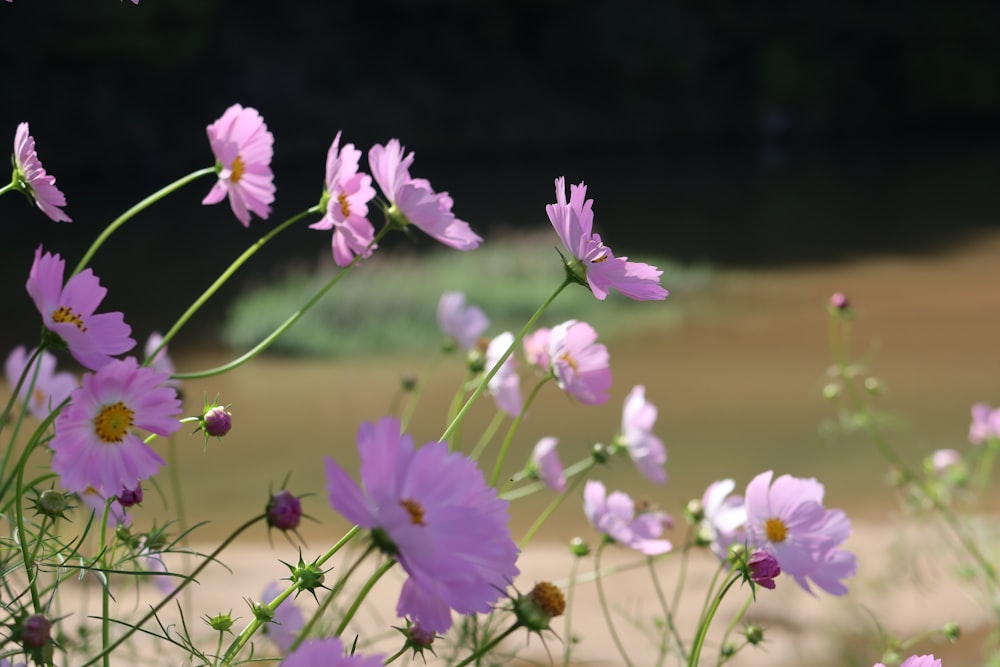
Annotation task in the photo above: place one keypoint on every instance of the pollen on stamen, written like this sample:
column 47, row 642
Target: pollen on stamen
column 237, row 169
column 345, row 207
column 569, row 360
column 113, row 422
column 64, row 314
column 776, row 530
column 415, row 510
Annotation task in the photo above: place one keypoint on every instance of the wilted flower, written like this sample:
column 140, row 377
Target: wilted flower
column 432, row 511
column 243, row 149
column 346, row 198
column 413, row 201
column 580, row 365
column 328, row 653
column 96, row 445
column 31, row 179
column 615, row 516
column 646, row 450
column 461, row 323
column 68, row 311
column 546, row 463
column 505, row 385
column 593, row 264
column 48, row 389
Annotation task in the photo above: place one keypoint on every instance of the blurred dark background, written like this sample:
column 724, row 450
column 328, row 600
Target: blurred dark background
column 741, row 134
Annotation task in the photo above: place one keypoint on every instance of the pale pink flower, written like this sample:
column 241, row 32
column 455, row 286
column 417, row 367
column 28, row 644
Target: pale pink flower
column 505, row 385
column 413, row 201
column 725, row 517
column 646, row 450
column 43, row 388
column 985, row 423
column 917, row 661
column 31, row 178
column 593, row 263
column 536, row 349
column 579, row 364
column 615, row 516
column 346, row 195
column 243, row 149
column 943, row 460
column 461, row 323
column 545, row 461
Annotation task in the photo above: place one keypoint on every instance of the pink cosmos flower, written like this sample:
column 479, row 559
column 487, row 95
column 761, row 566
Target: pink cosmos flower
column 31, row 177
column 943, row 460
column 328, row 653
column 593, row 263
column 725, row 517
column 579, row 364
column 346, row 195
column 43, row 388
column 95, row 445
column 536, row 349
column 162, row 363
column 459, row 322
column 614, row 515
column 917, row 661
column 646, row 450
column 288, row 619
column 788, row 520
column 432, row 511
column 243, row 149
column 546, row 462
column 985, row 423
column 413, row 201
column 69, row 311
column 505, row 385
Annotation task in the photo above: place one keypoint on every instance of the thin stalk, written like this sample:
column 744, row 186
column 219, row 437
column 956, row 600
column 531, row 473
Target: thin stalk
column 667, row 613
column 486, row 648
column 17, row 390
column 9, row 187
column 605, row 610
column 487, row 436
column 568, row 621
column 737, row 618
column 706, row 621
column 498, row 466
column 547, row 512
column 362, row 594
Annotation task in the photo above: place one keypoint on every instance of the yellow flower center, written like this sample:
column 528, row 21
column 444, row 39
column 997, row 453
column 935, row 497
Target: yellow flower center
column 415, row 510
column 549, row 598
column 65, row 314
column 39, row 397
column 345, row 207
column 569, row 360
column 237, row 169
column 113, row 422
column 776, row 530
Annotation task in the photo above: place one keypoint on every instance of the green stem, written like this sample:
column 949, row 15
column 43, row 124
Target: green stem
column 362, row 594
column 493, row 371
column 667, row 612
column 211, row 558
column 605, row 610
column 173, row 465
column 572, row 471
column 453, row 408
column 10, row 186
column 706, row 621
column 682, row 568
column 547, row 512
column 487, row 435
column 127, row 215
column 567, row 627
column 737, row 618
column 512, row 430
column 486, row 648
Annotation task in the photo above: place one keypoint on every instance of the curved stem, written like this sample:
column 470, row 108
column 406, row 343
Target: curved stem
column 17, row 389
column 547, row 512
column 9, row 187
column 706, row 621
column 568, row 621
column 493, row 371
column 127, row 215
column 667, row 612
column 604, row 607
column 512, row 430
column 737, row 618
column 486, row 648
column 362, row 594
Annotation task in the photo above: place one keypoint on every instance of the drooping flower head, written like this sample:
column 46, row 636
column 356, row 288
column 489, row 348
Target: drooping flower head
column 432, row 511
column 461, row 323
column 31, row 179
column 985, row 423
column 243, row 148
column 615, row 516
column 593, row 264
column 413, row 201
column 68, row 311
column 725, row 516
column 787, row 519
column 346, row 196
column 505, row 385
column 288, row 620
column 546, row 464
column 96, row 444
column 48, row 389
column 328, row 653
column 579, row 364
column 645, row 449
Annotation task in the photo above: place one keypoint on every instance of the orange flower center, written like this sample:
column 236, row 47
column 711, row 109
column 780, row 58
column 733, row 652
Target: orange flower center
column 776, row 530
column 345, row 207
column 65, row 314
column 569, row 360
column 416, row 511
column 237, row 169
column 113, row 422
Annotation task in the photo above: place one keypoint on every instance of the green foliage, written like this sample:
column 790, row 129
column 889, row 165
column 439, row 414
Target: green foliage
column 390, row 307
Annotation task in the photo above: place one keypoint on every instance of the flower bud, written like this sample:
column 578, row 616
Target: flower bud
column 220, row 622
column 284, row 511
column 130, row 497
column 839, row 301
column 579, row 548
column 754, row 634
column 52, row 503
column 694, row 511
column 35, row 632
column 762, row 568
column 535, row 610
column 217, row 421
column 951, row 631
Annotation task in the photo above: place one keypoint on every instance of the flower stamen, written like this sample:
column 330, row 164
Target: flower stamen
column 65, row 314
column 113, row 422
column 237, row 169
column 776, row 530
column 415, row 510
column 345, row 206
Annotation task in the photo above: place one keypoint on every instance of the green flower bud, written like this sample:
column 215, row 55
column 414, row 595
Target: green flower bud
column 221, row 622
column 754, row 634
column 579, row 548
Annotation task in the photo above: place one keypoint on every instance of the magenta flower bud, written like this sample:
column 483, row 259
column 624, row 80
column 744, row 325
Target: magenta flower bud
column 284, row 511
column 839, row 301
column 763, row 568
column 129, row 497
column 217, row 421
column 35, row 632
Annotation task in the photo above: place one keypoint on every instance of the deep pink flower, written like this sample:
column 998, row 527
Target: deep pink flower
column 505, row 385
column 96, row 444
column 288, row 619
column 763, row 568
column 32, row 180
column 580, row 365
column 646, row 450
column 413, row 201
column 614, row 515
column 243, row 149
column 985, row 423
column 593, row 262
column 328, row 653
column 917, row 661
column 461, row 323
column 788, row 520
column 48, row 389
column 69, row 311
column 432, row 511
column 536, row 349
column 346, row 196
column 725, row 516
column 546, row 462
